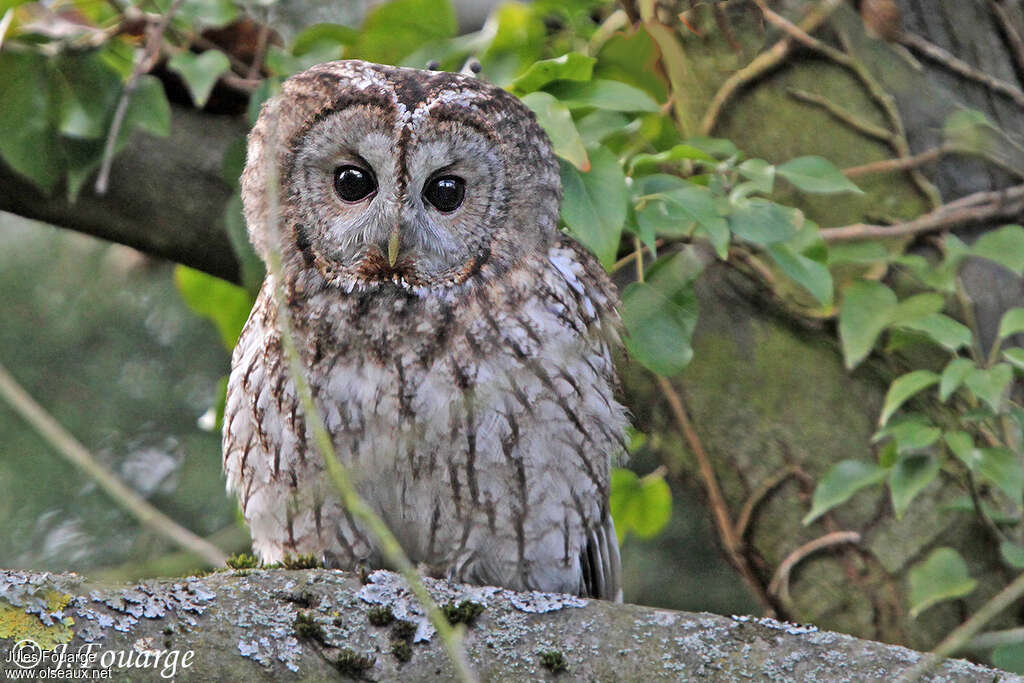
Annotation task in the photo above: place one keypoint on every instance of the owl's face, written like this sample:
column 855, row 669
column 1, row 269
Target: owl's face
column 401, row 178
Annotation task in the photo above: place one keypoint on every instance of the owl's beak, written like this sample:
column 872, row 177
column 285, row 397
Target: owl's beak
column 393, row 247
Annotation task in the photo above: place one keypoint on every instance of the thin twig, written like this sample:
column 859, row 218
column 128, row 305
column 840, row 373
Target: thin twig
column 144, row 61
column 719, row 509
column 338, row 473
column 779, row 586
column 957, row 65
column 761, row 65
column 1012, row 34
column 638, row 250
column 628, row 258
column 261, row 48
column 966, row 631
column 74, row 452
column 844, row 115
column 755, row 498
column 888, row 165
column 979, row 207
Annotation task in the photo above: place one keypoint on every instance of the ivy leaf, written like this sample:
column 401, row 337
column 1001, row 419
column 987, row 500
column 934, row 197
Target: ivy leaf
column 866, row 309
column 760, row 173
column 941, row 329
column 317, row 36
column 200, row 72
column 808, row 273
column 395, row 29
column 572, row 66
column 816, row 174
column 208, row 13
column 942, row 576
column 953, row 376
column 996, row 465
column 1015, row 357
column 89, row 92
column 679, row 205
column 842, row 480
column 1013, row 553
column 909, row 476
column 555, row 119
column 28, row 144
column 594, row 203
column 764, row 222
column 903, row 388
column 225, row 304
column 990, row 384
column 148, row 109
column 603, row 94
column 1012, row 323
column 911, row 434
column 639, row 505
column 660, row 315
column 1005, row 246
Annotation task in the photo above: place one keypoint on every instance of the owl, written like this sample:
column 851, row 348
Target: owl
column 458, row 346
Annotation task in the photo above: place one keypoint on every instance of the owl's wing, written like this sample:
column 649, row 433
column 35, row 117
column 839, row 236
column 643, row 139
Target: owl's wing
column 600, row 564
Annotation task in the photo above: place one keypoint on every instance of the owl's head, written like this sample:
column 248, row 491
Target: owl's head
column 393, row 177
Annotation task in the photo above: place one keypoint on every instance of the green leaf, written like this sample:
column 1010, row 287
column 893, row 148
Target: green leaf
column 866, row 309
column 953, row 376
column 990, row 384
column 1012, row 323
column 519, row 40
column 1015, row 357
column 942, row 576
column 603, row 94
column 395, row 29
column 1009, row 657
column 719, row 148
column 640, row 505
column 843, row 480
column 314, row 38
column 1005, row 246
column 676, row 153
column 227, row 305
column 200, row 72
column 660, row 315
column 555, row 119
column 909, row 477
column 760, row 173
column 600, row 124
column 1013, row 553
column 674, row 206
column 28, row 144
column 816, row 174
column 764, row 222
column 910, row 435
column 572, row 66
column 941, row 329
column 864, row 253
column 998, row 466
column 89, row 92
column 208, row 13
column 808, row 273
column 917, row 307
column 903, row 388
column 594, row 203
column 148, row 109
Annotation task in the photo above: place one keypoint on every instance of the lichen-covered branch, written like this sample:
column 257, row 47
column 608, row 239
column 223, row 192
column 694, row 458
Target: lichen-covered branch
column 327, row 625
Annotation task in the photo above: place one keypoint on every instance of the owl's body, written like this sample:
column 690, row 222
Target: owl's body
column 459, row 352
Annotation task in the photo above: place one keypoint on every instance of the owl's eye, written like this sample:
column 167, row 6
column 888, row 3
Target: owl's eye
column 445, row 193
column 353, row 183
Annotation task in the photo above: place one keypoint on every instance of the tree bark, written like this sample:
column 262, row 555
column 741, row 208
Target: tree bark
column 294, row 625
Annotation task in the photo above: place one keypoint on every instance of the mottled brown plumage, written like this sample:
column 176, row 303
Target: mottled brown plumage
column 460, row 356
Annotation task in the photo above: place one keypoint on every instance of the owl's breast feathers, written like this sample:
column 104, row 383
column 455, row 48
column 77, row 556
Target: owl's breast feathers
column 479, row 422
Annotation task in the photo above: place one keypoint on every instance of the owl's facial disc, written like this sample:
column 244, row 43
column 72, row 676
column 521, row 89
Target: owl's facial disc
column 376, row 204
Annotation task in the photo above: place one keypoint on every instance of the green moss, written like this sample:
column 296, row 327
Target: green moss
column 352, row 664
column 402, row 650
column 465, row 612
column 381, row 615
column 554, row 661
column 307, row 561
column 307, row 629
column 403, row 630
column 242, row 561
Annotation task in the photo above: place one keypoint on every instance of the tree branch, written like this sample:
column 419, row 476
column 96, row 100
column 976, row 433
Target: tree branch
column 166, row 197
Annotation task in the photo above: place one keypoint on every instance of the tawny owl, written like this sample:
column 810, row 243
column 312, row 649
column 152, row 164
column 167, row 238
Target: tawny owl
column 457, row 344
